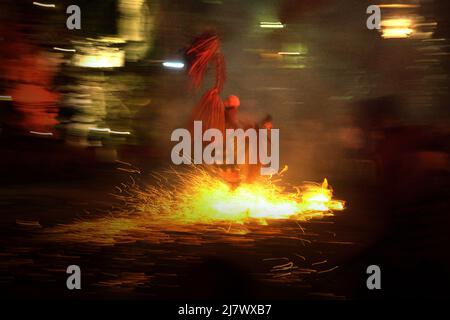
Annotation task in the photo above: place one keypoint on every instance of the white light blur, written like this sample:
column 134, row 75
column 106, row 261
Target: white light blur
column 41, row 133
column 46, row 5
column 107, row 130
column 173, row 64
column 64, row 50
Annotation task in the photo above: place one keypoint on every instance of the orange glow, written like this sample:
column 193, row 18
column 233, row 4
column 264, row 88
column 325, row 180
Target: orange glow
column 397, row 33
column 202, row 197
column 198, row 200
column 397, row 28
column 398, row 6
column 397, row 23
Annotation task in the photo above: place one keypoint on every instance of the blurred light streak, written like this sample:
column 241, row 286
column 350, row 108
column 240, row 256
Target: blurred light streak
column 107, row 40
column 5, row 98
column 103, row 52
column 110, row 131
column 120, row 132
column 41, row 133
column 435, row 40
column 64, row 50
column 100, row 58
column 269, row 55
column 397, row 33
column 398, row 6
column 273, row 25
column 173, row 64
column 284, row 53
column 396, row 23
column 46, row 5
column 427, row 24
column 397, row 28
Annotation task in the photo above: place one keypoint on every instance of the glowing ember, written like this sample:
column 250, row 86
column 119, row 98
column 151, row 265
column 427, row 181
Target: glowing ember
column 200, row 196
column 198, row 201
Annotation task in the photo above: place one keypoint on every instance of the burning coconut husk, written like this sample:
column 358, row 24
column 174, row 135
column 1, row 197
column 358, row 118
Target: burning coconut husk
column 195, row 200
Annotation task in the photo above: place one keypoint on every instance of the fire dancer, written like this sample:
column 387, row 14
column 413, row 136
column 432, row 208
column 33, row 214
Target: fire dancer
column 211, row 110
column 267, row 123
column 252, row 171
column 231, row 104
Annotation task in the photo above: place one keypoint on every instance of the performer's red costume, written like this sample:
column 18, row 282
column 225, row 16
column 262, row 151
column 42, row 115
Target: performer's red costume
column 210, row 110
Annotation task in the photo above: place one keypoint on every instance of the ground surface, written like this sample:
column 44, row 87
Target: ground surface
column 319, row 259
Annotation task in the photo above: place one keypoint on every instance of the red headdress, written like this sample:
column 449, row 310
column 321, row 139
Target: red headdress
column 210, row 109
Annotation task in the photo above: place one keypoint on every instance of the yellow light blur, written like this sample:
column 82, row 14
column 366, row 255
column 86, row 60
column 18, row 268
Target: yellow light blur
column 100, row 58
column 397, row 33
column 392, row 23
column 198, row 200
column 201, row 197
column 99, row 61
column 103, row 52
column 285, row 53
column 397, row 28
column 398, row 6
column 271, row 25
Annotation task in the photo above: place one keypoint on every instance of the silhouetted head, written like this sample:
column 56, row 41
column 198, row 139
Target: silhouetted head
column 232, row 102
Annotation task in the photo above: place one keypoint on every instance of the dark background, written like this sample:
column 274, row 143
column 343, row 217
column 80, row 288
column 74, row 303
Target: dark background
column 368, row 113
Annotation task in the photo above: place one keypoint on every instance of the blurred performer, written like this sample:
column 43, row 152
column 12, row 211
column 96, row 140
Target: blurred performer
column 249, row 171
column 210, row 110
column 231, row 104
